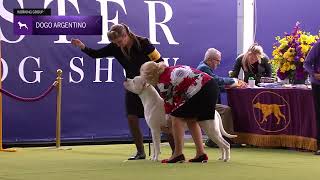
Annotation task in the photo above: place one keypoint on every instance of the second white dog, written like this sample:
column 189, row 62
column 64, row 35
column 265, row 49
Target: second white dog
column 153, row 109
column 155, row 116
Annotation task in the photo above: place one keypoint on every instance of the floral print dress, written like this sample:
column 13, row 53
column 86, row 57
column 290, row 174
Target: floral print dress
column 177, row 84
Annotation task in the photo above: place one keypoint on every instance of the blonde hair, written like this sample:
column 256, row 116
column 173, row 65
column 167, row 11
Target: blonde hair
column 119, row 30
column 254, row 50
column 151, row 71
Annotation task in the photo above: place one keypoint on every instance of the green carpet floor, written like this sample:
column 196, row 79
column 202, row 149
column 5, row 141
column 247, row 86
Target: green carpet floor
column 108, row 162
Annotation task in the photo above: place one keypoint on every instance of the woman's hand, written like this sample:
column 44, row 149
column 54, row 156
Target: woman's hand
column 242, row 84
column 237, row 84
column 77, row 43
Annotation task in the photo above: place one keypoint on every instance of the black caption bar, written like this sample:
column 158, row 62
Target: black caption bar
column 32, row 12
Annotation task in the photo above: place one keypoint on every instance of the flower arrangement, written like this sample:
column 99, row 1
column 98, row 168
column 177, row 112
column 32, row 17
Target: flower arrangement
column 290, row 52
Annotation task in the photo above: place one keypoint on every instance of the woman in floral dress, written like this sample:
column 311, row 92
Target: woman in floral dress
column 189, row 97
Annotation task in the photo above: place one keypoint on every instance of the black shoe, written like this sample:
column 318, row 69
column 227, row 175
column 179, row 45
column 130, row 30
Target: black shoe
column 178, row 159
column 203, row 159
column 138, row 156
column 210, row 143
column 317, row 152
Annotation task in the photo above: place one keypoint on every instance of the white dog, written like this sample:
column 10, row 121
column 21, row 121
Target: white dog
column 153, row 109
column 155, row 116
column 21, row 25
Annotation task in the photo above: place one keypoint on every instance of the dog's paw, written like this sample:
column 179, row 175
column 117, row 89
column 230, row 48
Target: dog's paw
column 226, row 159
column 154, row 158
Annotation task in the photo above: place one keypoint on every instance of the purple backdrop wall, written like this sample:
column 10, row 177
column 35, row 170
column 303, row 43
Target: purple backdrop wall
column 276, row 17
column 94, row 110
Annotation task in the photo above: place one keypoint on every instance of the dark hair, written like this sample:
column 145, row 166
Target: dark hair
column 119, row 30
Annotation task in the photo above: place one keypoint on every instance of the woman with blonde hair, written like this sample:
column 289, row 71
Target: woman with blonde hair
column 131, row 51
column 255, row 64
column 189, row 97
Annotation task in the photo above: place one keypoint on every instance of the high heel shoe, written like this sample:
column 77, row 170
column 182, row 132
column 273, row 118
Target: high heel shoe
column 179, row 159
column 203, row 159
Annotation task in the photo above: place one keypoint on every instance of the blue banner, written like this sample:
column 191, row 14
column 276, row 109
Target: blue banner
column 92, row 91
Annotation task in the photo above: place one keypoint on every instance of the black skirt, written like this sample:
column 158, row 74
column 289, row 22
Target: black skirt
column 201, row 105
column 134, row 105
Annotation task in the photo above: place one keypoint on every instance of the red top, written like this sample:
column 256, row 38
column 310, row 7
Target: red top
column 177, row 84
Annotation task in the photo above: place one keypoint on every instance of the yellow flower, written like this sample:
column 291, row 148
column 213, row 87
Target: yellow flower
column 283, row 70
column 291, row 58
column 274, row 52
column 289, row 38
column 275, row 62
column 286, row 55
column 293, row 67
column 304, row 48
column 283, row 41
column 292, row 51
column 285, row 67
column 311, row 39
column 303, row 38
column 283, row 45
column 289, row 54
column 301, row 60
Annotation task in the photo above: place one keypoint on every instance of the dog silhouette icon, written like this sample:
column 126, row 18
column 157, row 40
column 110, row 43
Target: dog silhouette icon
column 21, row 25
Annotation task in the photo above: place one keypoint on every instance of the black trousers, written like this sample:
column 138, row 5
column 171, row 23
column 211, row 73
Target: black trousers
column 316, row 99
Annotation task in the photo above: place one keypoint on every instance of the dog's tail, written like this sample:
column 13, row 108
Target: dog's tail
column 223, row 132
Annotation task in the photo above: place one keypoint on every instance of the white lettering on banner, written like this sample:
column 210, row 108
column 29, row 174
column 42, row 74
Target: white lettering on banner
column 76, row 69
column 98, row 69
column 153, row 23
column 166, row 61
column 9, row 17
column 4, row 69
column 106, row 20
column 62, row 12
column 109, row 69
column 21, row 70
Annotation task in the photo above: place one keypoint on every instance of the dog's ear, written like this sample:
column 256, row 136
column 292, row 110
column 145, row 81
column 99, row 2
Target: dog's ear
column 144, row 83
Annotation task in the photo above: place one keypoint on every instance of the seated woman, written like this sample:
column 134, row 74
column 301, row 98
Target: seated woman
column 190, row 97
column 254, row 64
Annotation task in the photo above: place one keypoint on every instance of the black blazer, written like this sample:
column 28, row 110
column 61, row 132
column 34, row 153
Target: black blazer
column 138, row 56
column 264, row 69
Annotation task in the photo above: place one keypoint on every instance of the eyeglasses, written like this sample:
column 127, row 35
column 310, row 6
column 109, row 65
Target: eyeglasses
column 218, row 60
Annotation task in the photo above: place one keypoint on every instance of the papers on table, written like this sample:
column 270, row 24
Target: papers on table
column 281, row 85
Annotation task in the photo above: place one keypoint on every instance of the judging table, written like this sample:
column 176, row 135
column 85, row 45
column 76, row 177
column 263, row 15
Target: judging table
column 274, row 117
